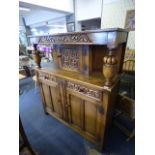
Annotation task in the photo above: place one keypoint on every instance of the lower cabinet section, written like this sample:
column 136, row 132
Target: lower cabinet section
column 82, row 111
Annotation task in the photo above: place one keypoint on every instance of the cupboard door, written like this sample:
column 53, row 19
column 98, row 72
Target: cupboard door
column 84, row 114
column 52, row 98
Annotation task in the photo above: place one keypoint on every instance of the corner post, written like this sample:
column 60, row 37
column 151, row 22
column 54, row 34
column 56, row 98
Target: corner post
column 36, row 56
column 110, row 61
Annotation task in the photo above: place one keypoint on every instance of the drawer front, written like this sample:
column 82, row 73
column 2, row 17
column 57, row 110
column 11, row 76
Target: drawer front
column 46, row 76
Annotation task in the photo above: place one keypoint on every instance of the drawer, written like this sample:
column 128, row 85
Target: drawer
column 46, row 76
column 84, row 90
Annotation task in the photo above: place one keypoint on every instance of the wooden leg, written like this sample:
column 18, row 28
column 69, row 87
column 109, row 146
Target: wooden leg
column 132, row 134
column 122, row 128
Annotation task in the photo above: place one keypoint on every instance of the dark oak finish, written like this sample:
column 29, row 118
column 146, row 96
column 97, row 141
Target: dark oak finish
column 79, row 87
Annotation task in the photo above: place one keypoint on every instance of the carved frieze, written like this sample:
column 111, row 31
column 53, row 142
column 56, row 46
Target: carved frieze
column 46, row 76
column 84, row 90
column 70, row 38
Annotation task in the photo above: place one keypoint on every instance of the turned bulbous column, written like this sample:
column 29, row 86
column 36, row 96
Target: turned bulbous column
column 109, row 68
column 36, row 56
column 37, row 59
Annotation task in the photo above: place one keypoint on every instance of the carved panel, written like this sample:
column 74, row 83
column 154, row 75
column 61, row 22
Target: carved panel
column 70, row 58
column 47, row 76
column 84, row 90
column 70, row 38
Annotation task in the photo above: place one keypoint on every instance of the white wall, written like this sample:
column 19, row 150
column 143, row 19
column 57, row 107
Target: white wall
column 114, row 15
column 21, row 21
column 62, row 5
column 41, row 16
column 88, row 9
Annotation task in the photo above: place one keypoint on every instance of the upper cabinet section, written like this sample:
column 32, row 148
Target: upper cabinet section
column 88, row 52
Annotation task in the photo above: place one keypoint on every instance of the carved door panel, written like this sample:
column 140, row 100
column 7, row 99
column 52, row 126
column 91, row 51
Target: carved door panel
column 84, row 113
column 70, row 57
column 52, row 98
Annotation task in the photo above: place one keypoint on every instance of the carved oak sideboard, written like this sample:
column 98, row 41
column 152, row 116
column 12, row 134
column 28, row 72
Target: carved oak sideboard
column 80, row 86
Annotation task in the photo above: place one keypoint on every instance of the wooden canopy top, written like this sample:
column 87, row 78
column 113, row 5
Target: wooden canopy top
column 110, row 37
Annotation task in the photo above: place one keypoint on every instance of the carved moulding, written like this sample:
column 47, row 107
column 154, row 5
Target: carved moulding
column 84, row 90
column 46, row 76
column 70, row 38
